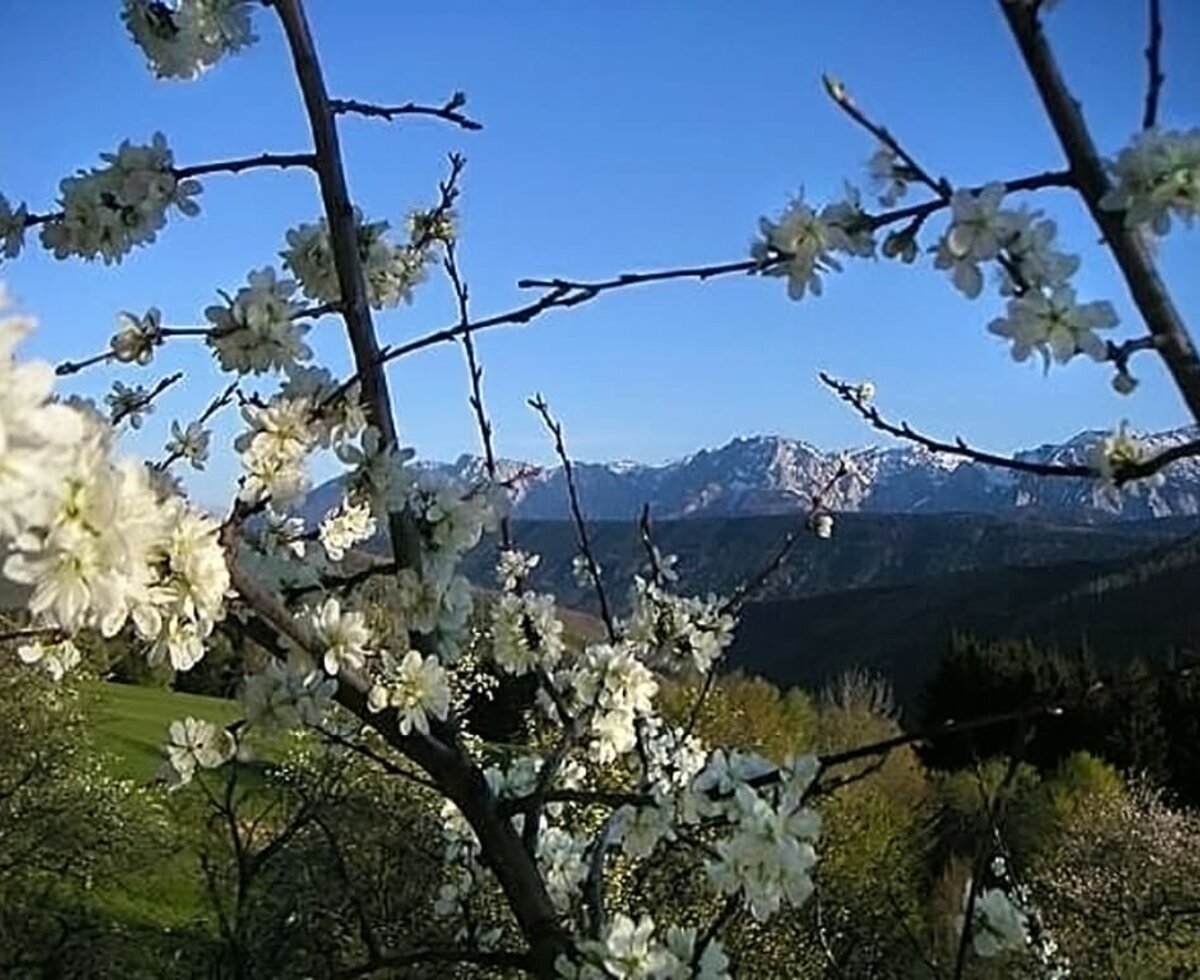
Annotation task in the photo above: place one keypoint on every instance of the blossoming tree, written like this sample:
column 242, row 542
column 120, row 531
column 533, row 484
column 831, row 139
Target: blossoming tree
column 109, row 544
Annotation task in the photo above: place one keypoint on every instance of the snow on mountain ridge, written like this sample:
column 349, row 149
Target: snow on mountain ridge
column 773, row 474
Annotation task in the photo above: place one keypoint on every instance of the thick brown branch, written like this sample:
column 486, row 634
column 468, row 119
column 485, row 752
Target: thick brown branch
column 1129, row 249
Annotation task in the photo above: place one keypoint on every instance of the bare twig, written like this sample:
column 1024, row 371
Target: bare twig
column 123, row 411
column 214, row 406
column 540, row 405
column 448, row 111
column 837, row 91
column 475, row 370
column 74, row 367
column 1149, row 293
column 1132, row 471
column 1154, row 72
column 237, row 166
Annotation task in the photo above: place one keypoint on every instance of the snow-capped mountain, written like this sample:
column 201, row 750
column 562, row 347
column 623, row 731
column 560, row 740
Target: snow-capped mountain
column 773, row 475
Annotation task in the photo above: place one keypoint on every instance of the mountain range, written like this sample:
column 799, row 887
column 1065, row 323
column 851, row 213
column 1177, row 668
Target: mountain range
column 773, row 475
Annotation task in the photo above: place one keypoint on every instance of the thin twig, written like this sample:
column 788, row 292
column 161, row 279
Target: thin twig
column 123, row 411
column 214, row 406
column 1127, row 245
column 475, row 370
column 240, row 164
column 851, row 395
column 540, row 405
column 837, row 91
column 449, row 110
column 1154, row 72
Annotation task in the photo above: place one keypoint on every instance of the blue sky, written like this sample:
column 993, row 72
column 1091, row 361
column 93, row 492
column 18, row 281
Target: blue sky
column 618, row 136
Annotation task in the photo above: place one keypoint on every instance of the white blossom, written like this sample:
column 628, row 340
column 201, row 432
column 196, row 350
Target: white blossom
column 888, row 175
column 391, row 271
column 190, row 443
column 106, row 211
column 137, row 336
column 12, row 228
column 287, row 695
column 55, row 658
column 976, row 234
column 1054, row 325
column 257, row 330
column 417, row 687
column 526, row 632
column 345, row 526
column 1156, row 177
column 513, row 567
column 344, row 635
column 185, row 38
column 274, row 449
column 196, row 743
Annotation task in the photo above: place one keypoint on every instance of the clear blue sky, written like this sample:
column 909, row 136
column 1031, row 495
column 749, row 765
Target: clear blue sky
column 619, row 135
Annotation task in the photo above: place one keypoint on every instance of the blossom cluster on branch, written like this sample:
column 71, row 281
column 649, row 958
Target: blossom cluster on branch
column 106, row 544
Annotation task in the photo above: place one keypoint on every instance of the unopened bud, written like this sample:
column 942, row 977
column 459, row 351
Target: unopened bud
column 1123, row 383
column 822, row 526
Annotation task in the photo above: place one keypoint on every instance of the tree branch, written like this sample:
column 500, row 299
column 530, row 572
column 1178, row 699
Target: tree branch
column 1133, row 258
column 539, row 405
column 1154, row 72
column 1134, row 471
column 449, row 110
column 240, row 164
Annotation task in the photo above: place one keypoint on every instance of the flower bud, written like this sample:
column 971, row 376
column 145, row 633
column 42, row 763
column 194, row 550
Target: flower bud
column 822, row 526
column 1123, row 383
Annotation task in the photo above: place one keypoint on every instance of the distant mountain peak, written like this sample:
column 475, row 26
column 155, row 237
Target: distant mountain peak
column 772, row 474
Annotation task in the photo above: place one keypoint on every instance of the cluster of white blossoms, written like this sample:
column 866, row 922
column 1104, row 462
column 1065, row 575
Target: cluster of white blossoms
column 108, row 210
column 610, row 684
column 259, row 329
column 416, row 687
column 768, row 854
column 195, row 744
column 1115, row 454
column 527, row 633
column 287, row 696
column 391, row 271
column 182, row 39
column 1156, row 177
column 92, row 538
column 56, row 659
column 274, row 450
column 678, row 629
column 802, row 243
column 513, row 567
column 628, row 950
column 345, row 526
column 1043, row 315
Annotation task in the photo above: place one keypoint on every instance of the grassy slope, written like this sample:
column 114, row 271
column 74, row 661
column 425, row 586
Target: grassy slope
column 131, row 724
column 131, row 728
